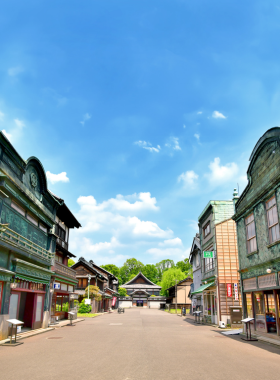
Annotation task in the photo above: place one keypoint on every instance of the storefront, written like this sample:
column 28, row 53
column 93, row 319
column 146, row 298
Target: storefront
column 210, row 305
column 263, row 304
column 62, row 299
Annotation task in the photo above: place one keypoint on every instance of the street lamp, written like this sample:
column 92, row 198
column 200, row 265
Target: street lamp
column 89, row 278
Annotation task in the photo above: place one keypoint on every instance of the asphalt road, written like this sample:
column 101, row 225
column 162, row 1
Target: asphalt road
column 139, row 344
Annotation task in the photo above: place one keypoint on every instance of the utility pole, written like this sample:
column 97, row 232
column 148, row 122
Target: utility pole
column 176, row 294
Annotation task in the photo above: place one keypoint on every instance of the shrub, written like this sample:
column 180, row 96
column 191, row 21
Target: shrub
column 122, row 292
column 83, row 308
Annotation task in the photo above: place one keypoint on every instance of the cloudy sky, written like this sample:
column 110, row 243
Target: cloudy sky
column 140, row 111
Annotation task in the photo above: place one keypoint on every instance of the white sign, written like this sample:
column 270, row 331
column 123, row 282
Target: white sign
column 56, row 285
column 236, row 292
column 18, row 329
column 87, row 301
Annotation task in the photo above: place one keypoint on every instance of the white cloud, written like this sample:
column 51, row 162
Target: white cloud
column 218, row 115
column 19, row 123
column 86, row 117
column 171, row 242
column 8, row 135
column 194, row 224
column 184, row 126
column 197, row 136
column 199, row 112
column 221, row 173
column 54, row 178
column 14, row 71
column 148, row 146
column 173, row 144
column 188, row 178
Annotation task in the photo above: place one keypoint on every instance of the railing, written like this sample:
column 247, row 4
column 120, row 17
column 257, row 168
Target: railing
column 63, row 269
column 19, row 241
column 62, row 243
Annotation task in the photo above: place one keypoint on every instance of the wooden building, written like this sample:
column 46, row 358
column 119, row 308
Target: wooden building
column 257, row 220
column 27, row 240
column 142, row 293
column 220, row 288
column 180, row 294
column 106, row 282
column 196, row 261
column 64, row 278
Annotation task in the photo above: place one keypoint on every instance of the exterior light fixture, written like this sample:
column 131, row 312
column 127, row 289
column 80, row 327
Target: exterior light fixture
column 268, row 270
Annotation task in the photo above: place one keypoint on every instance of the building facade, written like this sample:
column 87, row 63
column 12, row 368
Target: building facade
column 27, row 240
column 141, row 292
column 220, row 288
column 106, row 282
column 180, row 294
column 257, row 220
column 63, row 282
column 195, row 261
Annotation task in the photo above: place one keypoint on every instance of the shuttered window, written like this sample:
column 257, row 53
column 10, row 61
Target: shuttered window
column 267, row 281
column 250, row 284
column 251, row 233
column 272, row 220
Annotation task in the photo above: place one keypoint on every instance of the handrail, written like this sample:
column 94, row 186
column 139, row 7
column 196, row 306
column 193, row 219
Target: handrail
column 19, row 241
column 64, row 269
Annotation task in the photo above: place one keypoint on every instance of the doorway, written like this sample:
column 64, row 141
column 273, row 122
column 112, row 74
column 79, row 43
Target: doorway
column 139, row 303
column 270, row 312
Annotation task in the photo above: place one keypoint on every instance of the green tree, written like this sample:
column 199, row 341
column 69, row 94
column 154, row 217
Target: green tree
column 169, row 278
column 112, row 268
column 162, row 266
column 70, row 262
column 93, row 292
column 185, row 267
column 131, row 266
column 151, row 272
column 122, row 292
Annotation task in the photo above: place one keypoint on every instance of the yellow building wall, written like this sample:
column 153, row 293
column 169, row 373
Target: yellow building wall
column 182, row 293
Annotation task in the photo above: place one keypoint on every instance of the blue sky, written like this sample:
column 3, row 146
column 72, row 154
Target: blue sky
column 140, row 111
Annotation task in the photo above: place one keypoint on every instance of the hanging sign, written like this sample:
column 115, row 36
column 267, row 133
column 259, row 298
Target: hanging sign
column 229, row 290
column 235, row 292
column 114, row 301
column 208, row 254
column 56, row 285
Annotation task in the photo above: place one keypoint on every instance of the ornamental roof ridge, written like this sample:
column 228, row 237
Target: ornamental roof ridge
column 138, row 275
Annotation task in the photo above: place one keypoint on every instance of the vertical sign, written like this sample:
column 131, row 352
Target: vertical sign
column 236, row 292
column 229, row 290
column 114, row 301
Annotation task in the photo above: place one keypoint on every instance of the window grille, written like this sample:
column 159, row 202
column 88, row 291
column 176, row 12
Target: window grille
column 272, row 220
column 249, row 284
column 267, row 281
column 251, row 233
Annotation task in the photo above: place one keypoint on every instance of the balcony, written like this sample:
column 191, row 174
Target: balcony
column 18, row 241
column 62, row 243
column 64, row 270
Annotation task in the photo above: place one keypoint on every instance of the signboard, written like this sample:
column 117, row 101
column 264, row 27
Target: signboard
column 87, row 301
column 114, row 301
column 194, row 302
column 229, row 290
column 56, row 285
column 235, row 292
column 208, row 254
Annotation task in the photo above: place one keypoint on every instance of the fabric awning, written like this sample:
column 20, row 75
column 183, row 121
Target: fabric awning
column 31, row 279
column 203, row 287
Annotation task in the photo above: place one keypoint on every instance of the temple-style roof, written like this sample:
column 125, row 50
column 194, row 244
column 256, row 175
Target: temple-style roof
column 139, row 291
column 140, row 282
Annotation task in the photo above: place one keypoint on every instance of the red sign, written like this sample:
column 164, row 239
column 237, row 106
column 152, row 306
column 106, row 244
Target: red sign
column 229, row 290
column 114, row 301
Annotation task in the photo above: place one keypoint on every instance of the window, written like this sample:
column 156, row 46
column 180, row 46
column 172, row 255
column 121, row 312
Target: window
column 208, row 264
column 251, row 233
column 60, row 232
column 272, row 220
column 32, row 220
column 63, row 287
column 58, row 258
column 70, row 288
column 206, row 229
column 197, row 260
column 18, row 208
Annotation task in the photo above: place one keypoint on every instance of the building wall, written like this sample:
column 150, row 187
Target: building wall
column 125, row 303
column 227, row 257
column 182, row 293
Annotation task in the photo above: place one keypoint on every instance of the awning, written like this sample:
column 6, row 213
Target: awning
column 31, row 279
column 203, row 287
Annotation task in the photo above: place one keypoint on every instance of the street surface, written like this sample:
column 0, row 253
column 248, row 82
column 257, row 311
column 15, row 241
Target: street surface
column 139, row 344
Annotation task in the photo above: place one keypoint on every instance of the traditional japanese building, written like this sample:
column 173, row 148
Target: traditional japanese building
column 27, row 240
column 179, row 294
column 196, row 261
column 88, row 273
column 142, row 293
column 64, row 278
column 257, row 220
column 220, row 290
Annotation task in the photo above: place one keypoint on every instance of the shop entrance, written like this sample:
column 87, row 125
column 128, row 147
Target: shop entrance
column 139, row 303
column 210, row 307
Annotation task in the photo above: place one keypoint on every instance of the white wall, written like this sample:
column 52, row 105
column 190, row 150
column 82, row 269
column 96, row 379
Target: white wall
column 125, row 303
column 154, row 304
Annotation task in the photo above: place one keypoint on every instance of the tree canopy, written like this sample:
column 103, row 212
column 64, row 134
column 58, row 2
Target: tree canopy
column 185, row 267
column 112, row 268
column 70, row 262
column 169, row 278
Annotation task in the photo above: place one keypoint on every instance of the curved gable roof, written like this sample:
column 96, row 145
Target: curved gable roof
column 140, row 274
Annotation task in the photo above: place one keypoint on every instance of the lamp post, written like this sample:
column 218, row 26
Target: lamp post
column 89, row 278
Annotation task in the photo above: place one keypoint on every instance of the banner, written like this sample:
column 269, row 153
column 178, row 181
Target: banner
column 229, row 290
column 114, row 301
column 236, row 292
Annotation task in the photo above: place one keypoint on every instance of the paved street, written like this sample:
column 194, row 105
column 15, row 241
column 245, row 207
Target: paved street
column 136, row 345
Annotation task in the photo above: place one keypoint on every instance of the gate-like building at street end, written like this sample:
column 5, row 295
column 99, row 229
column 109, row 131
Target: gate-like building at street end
column 141, row 292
